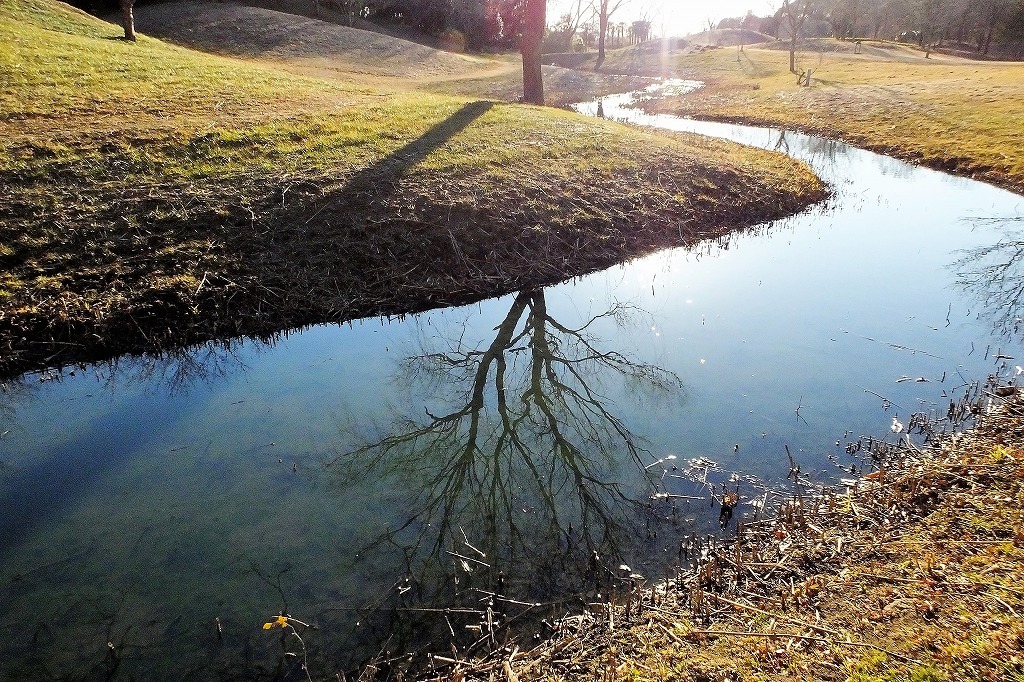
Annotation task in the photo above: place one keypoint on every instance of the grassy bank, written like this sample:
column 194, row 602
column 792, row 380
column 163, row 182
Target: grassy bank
column 961, row 116
column 915, row 574
column 151, row 195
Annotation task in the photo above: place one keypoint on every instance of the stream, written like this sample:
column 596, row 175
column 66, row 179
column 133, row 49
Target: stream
column 436, row 477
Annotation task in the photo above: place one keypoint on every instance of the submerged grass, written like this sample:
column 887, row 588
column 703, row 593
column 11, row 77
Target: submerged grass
column 961, row 116
column 153, row 196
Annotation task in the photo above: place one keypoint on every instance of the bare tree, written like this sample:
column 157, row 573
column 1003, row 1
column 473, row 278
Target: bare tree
column 795, row 14
column 604, row 9
column 887, row 17
column 993, row 15
column 570, row 22
column 128, row 19
column 352, row 9
column 534, row 24
column 845, row 16
column 933, row 18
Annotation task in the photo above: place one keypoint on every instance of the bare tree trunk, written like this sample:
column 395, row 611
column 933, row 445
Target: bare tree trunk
column 795, row 13
column 128, row 19
column 534, row 21
column 602, row 31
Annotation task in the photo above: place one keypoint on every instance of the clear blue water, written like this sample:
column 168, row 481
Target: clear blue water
column 142, row 500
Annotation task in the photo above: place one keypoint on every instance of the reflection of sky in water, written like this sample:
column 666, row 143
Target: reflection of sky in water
column 132, row 498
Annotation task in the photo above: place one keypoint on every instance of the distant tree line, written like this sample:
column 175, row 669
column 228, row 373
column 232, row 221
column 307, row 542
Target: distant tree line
column 567, row 36
column 967, row 24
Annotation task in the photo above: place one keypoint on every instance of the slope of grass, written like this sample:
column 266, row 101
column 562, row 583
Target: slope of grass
column 961, row 116
column 288, row 39
column 65, row 65
column 151, row 195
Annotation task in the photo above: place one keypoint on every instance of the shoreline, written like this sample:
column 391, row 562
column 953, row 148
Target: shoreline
column 911, row 156
column 274, row 268
column 912, row 574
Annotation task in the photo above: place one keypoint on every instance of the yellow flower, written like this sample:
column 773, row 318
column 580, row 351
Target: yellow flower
column 281, row 620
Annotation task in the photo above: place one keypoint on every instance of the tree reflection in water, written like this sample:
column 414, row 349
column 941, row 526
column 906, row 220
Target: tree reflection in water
column 528, row 486
column 993, row 275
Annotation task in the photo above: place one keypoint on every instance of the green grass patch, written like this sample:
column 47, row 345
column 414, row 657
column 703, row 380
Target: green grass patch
column 59, row 63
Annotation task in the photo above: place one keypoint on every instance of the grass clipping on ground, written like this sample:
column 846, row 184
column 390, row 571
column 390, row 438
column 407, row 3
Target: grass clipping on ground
column 916, row 574
column 152, row 196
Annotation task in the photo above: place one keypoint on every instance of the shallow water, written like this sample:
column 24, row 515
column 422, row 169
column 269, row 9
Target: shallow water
column 354, row 474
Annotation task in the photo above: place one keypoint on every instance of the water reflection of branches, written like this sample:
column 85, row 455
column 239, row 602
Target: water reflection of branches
column 994, row 276
column 13, row 393
column 523, row 472
column 810, row 147
column 178, row 369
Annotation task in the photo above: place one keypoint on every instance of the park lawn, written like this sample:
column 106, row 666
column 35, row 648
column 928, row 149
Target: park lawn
column 962, row 116
column 152, row 196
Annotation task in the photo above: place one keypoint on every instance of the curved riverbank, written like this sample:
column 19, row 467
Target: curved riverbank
column 955, row 115
column 177, row 197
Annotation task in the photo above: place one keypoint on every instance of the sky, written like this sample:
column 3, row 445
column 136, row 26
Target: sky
column 676, row 17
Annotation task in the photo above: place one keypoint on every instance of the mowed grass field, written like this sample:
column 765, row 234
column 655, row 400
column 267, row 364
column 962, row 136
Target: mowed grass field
column 152, row 195
column 966, row 117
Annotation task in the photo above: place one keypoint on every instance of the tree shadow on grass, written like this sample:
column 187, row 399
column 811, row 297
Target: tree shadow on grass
column 376, row 243
column 383, row 176
column 279, row 252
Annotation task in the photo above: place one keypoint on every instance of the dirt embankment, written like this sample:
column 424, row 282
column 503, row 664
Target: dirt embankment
column 730, row 37
column 263, row 254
